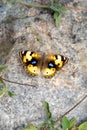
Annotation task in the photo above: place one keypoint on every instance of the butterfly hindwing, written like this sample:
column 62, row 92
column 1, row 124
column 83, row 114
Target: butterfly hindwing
column 52, row 63
column 49, row 68
column 32, row 61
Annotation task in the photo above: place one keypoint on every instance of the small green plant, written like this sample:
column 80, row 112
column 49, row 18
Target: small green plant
column 68, row 124
column 49, row 123
column 30, row 127
column 3, row 88
column 58, row 11
column 83, row 126
column 53, row 124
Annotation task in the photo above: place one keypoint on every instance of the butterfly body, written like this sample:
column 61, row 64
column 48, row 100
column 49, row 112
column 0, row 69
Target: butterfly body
column 49, row 64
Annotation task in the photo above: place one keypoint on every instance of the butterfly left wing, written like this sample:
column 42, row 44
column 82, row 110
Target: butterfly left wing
column 32, row 61
column 52, row 63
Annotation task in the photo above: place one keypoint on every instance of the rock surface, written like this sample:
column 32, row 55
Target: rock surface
column 34, row 29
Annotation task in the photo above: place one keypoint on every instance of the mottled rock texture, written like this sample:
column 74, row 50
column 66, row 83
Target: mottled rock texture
column 34, row 29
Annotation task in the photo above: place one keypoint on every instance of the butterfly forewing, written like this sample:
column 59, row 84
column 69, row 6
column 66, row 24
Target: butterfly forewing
column 52, row 63
column 60, row 61
column 32, row 61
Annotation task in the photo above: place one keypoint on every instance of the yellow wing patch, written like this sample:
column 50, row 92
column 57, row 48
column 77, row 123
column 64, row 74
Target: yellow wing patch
column 32, row 61
column 48, row 64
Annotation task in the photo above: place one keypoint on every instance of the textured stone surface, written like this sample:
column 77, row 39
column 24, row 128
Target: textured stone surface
column 6, row 33
column 36, row 31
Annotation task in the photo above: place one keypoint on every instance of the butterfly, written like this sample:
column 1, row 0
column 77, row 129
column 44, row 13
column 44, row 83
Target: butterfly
column 49, row 64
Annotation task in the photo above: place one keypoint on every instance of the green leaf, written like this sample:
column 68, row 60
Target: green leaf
column 11, row 94
column 3, row 88
column 2, row 93
column 57, row 18
column 30, row 127
column 46, row 106
column 65, row 123
column 83, row 126
column 2, row 82
column 57, row 8
column 3, row 67
column 72, row 122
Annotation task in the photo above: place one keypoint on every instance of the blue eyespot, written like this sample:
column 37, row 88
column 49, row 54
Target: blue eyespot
column 50, row 65
column 34, row 62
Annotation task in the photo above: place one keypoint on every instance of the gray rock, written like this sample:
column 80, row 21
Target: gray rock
column 38, row 32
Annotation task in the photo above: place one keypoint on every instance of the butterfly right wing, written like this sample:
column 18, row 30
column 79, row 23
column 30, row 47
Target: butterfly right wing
column 53, row 63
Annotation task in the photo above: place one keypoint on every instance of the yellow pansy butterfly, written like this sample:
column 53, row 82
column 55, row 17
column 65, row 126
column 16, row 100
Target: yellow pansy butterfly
column 49, row 64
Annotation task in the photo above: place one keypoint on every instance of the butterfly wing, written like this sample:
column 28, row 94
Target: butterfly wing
column 32, row 61
column 52, row 63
